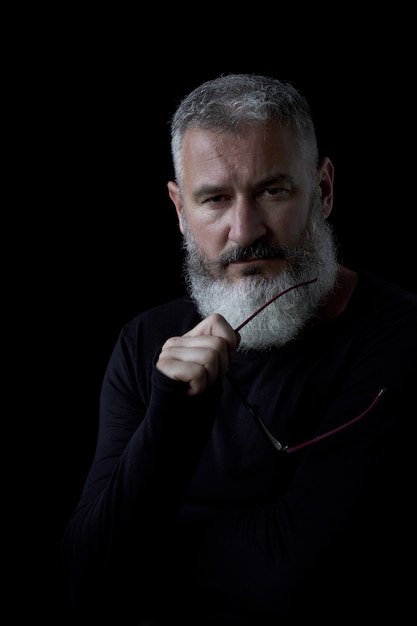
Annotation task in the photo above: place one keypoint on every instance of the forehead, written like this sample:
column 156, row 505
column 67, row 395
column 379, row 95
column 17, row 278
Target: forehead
column 273, row 141
column 252, row 149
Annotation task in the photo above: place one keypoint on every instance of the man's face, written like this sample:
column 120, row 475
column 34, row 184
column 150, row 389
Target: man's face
column 239, row 189
column 253, row 220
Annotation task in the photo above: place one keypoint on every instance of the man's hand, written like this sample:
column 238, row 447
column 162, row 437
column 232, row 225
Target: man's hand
column 200, row 356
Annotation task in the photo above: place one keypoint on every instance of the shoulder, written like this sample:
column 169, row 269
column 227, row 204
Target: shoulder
column 384, row 298
column 155, row 325
column 383, row 319
column 141, row 338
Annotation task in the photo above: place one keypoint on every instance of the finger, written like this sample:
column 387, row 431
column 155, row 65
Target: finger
column 213, row 325
column 195, row 375
column 218, row 326
column 202, row 358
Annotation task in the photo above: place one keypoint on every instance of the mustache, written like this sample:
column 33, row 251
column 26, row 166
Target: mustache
column 258, row 250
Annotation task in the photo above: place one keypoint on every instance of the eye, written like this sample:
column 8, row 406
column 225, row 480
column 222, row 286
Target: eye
column 219, row 199
column 275, row 192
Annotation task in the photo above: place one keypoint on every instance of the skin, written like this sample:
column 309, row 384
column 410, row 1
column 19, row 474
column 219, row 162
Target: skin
column 238, row 189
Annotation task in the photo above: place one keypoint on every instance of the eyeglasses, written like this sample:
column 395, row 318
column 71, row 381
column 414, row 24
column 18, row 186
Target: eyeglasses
column 254, row 411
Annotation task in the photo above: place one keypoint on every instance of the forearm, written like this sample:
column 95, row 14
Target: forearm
column 135, row 487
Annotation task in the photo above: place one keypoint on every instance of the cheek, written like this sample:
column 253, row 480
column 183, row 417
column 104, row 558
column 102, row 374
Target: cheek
column 290, row 227
column 210, row 237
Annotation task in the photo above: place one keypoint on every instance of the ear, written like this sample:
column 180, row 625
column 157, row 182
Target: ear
column 174, row 194
column 325, row 177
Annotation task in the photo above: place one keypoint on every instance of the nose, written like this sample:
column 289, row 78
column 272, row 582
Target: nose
column 246, row 222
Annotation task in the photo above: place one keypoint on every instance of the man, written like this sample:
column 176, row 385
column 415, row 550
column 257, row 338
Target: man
column 248, row 467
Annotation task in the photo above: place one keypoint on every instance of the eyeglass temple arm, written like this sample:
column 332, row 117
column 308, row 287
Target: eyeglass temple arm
column 253, row 410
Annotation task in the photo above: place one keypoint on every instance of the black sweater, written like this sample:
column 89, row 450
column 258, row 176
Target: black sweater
column 190, row 515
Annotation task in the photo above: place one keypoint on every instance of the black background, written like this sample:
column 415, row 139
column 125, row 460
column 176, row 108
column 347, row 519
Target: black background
column 96, row 234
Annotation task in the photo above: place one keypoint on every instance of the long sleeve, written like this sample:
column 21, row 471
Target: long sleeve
column 143, row 463
column 189, row 510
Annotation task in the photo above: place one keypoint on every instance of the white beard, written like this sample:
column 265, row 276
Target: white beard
column 283, row 319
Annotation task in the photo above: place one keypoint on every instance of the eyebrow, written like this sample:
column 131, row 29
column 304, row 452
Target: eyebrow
column 207, row 190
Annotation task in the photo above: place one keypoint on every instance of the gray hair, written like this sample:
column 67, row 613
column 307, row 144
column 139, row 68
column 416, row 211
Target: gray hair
column 232, row 102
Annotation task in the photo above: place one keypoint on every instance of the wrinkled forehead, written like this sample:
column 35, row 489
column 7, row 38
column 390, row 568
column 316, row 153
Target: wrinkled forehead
column 222, row 160
column 268, row 143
